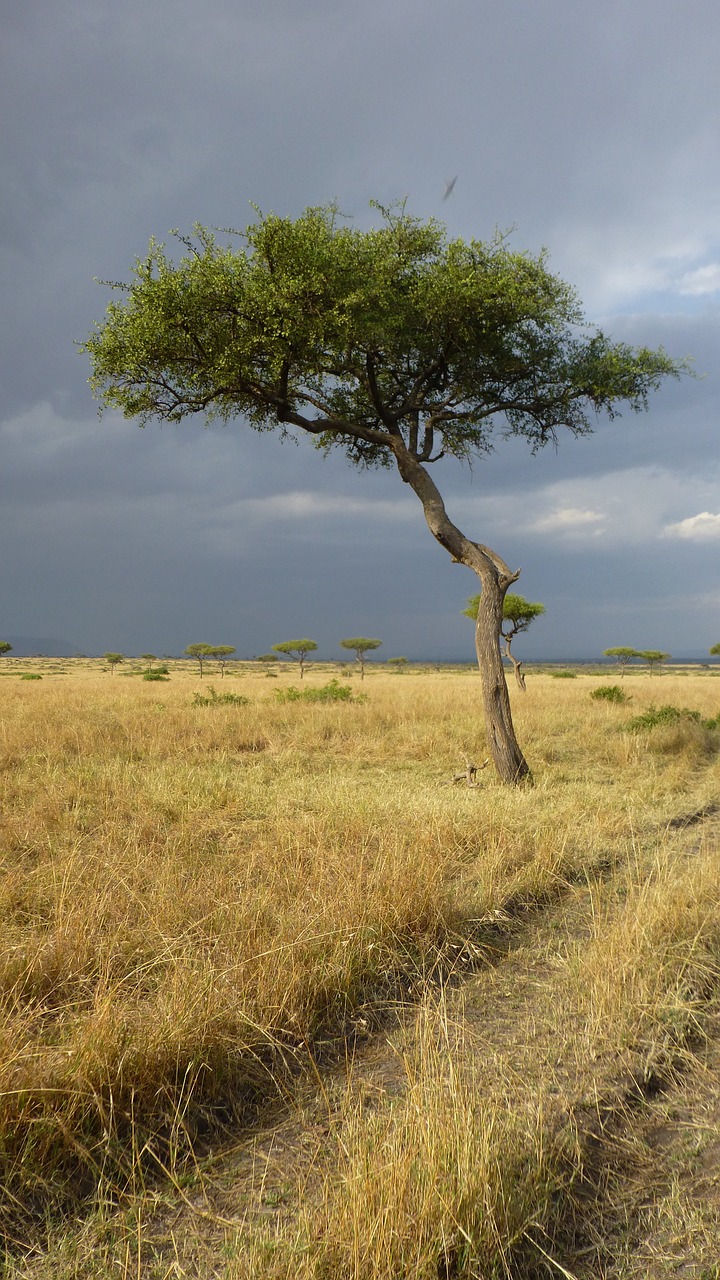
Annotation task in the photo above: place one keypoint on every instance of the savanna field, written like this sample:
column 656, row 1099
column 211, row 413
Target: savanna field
column 278, row 1001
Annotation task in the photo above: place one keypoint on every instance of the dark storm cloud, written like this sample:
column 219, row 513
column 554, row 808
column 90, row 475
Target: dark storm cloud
column 591, row 129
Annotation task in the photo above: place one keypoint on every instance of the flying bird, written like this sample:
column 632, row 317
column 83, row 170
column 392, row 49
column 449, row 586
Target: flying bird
column 450, row 187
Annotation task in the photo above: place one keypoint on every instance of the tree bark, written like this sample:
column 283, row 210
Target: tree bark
column 495, row 578
column 517, row 666
column 509, row 760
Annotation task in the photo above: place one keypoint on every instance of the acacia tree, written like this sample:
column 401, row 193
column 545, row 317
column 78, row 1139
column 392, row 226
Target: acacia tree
column 200, row 651
column 715, row 651
column 518, row 613
column 222, row 652
column 5, row 647
column 394, row 344
column 623, row 655
column 653, row 657
column 360, row 645
column 113, row 660
column 297, row 649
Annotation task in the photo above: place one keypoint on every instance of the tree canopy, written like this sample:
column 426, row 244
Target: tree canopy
column 396, row 344
column 364, row 339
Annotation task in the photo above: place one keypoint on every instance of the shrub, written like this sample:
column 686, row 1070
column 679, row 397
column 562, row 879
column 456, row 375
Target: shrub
column 609, row 693
column 159, row 673
column 215, row 699
column 564, row 675
column 31, row 675
column 332, row 692
column 655, row 716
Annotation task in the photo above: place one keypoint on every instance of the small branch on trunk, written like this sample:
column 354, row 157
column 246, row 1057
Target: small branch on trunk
column 468, row 775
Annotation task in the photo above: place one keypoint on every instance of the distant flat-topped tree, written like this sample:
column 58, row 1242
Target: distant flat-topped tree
column 360, row 645
column 624, row 656
column 394, row 344
column 298, row 650
column 517, row 615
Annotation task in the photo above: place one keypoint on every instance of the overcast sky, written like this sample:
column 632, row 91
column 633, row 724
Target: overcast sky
column 590, row 128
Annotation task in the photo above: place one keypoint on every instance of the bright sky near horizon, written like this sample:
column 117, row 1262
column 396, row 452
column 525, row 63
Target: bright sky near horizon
column 591, row 129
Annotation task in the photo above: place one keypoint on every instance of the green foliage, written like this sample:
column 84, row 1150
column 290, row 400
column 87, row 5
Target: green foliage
column 609, row 693
column 517, row 611
column 5, row 647
column 294, row 648
column 653, row 657
column 156, row 673
column 332, row 692
column 31, row 675
column 356, row 336
column 715, row 651
column 268, row 657
column 360, row 644
column 149, row 657
column 397, row 663
column 113, row 660
column 564, row 675
column 666, row 715
column 215, row 699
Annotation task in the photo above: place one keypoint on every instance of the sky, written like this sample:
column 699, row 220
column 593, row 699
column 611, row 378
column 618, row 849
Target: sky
column 590, row 129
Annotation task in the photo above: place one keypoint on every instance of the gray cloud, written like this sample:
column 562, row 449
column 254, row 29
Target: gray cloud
column 591, row 130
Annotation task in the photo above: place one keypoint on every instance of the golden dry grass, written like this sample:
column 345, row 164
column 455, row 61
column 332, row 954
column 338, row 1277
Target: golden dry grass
column 193, row 897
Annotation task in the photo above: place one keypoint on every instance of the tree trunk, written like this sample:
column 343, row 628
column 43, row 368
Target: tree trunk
column 495, row 578
column 507, row 757
column 517, row 666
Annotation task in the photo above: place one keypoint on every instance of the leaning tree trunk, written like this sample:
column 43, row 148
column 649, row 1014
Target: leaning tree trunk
column 495, row 578
column 517, row 666
column 507, row 757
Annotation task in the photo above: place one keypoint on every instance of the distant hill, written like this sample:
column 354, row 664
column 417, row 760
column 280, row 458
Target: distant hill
column 29, row 646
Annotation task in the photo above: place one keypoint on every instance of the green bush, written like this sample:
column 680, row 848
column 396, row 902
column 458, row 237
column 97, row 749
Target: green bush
column 215, row 699
column 564, row 675
column 666, row 715
column 332, row 692
column 159, row 673
column 31, row 675
column 609, row 693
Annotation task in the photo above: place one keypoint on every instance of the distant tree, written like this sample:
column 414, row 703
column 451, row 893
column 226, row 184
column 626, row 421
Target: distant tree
column 267, row 657
column 715, row 651
column 5, row 647
column 200, row 651
column 395, row 344
column 397, row 663
column 149, row 658
column 623, row 654
column 360, row 645
column 518, row 613
column 222, row 652
column 297, row 649
column 653, row 657
column 113, row 660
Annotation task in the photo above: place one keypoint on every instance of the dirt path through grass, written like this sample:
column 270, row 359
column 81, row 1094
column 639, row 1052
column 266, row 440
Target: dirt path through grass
column 627, row 1118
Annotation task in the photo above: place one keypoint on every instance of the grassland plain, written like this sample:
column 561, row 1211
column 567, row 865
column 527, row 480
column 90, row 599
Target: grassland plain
column 201, row 905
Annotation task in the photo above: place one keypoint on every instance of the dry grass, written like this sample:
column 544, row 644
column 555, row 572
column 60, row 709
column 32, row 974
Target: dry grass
column 194, row 898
